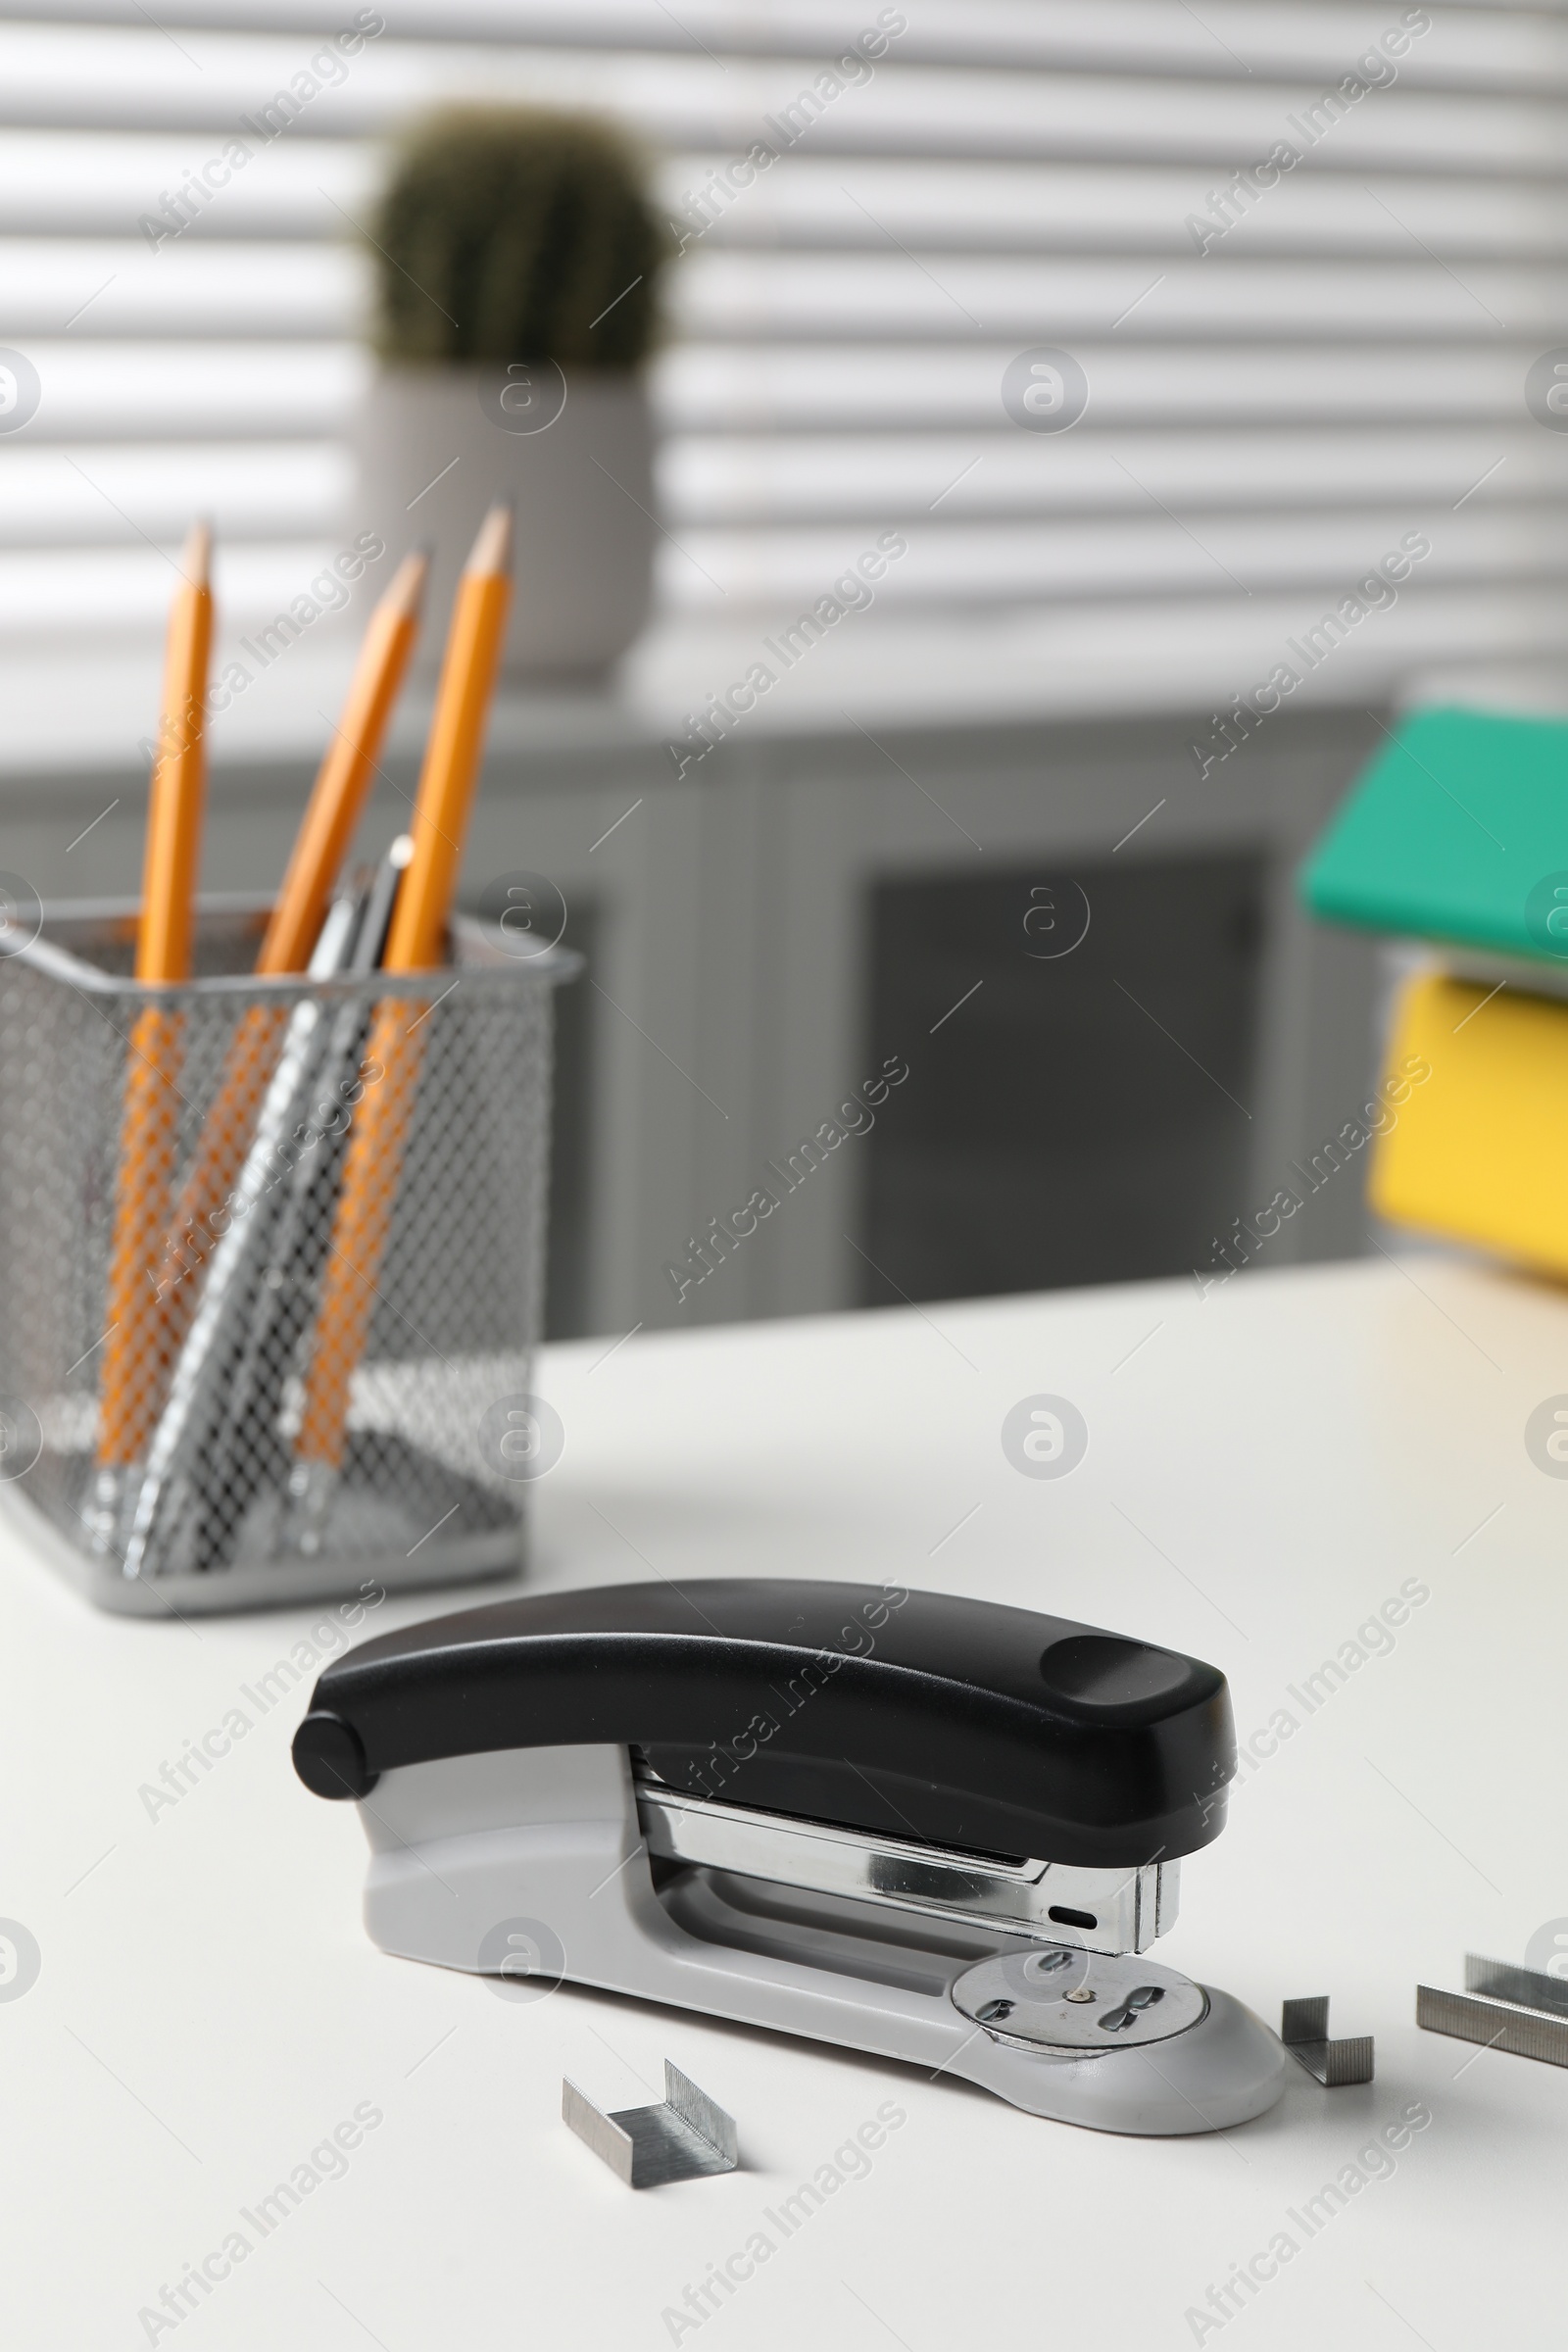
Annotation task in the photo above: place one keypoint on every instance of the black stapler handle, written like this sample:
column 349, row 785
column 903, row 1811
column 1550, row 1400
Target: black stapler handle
column 905, row 1713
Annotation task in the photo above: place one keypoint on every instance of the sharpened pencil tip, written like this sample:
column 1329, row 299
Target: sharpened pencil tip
column 196, row 556
column 491, row 551
column 405, row 591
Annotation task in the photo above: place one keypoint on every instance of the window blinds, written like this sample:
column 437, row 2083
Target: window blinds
column 1304, row 260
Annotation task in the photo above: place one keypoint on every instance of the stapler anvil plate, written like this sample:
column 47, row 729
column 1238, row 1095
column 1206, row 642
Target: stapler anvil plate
column 934, row 1829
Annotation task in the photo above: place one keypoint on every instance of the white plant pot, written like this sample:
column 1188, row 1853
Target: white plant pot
column 431, row 459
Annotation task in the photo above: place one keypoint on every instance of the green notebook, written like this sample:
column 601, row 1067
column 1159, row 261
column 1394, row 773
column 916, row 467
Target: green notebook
column 1458, row 831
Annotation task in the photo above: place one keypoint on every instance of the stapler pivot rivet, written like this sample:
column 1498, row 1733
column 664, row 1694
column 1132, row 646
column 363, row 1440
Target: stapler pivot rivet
column 1131, row 2000
column 938, row 1830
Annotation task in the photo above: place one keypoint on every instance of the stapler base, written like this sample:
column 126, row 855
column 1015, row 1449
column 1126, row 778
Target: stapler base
column 531, row 1861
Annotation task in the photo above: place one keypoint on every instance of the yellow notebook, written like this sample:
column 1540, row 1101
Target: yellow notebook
column 1479, row 1149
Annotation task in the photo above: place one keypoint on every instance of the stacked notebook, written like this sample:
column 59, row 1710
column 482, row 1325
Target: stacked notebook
column 1457, row 837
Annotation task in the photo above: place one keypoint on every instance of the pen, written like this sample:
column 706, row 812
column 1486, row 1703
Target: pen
column 233, row 1448
column 205, row 1369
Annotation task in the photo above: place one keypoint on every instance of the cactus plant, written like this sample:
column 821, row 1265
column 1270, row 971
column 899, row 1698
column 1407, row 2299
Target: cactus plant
column 513, row 232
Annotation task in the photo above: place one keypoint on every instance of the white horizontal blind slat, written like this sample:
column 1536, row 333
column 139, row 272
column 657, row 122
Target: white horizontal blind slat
column 1489, row 44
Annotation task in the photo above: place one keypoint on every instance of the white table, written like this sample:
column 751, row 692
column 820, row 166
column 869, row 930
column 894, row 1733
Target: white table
column 1266, row 1467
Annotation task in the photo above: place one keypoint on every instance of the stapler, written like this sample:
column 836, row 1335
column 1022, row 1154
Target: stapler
column 934, row 1829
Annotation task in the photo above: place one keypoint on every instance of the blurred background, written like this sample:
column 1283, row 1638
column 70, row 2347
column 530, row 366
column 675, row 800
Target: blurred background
column 1028, row 393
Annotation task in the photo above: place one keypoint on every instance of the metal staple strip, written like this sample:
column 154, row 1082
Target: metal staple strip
column 1494, row 2025
column 1527, row 1988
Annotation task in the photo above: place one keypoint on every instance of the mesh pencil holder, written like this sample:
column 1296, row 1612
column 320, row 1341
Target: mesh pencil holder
column 272, row 1263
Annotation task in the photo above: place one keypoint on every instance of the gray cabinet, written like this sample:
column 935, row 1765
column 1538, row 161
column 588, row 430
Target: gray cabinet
column 764, row 934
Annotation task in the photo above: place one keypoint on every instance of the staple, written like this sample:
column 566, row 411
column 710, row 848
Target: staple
column 1305, row 2031
column 687, row 2137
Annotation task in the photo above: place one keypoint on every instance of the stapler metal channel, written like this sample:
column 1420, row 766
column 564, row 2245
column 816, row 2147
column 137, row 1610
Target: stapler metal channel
column 935, row 1828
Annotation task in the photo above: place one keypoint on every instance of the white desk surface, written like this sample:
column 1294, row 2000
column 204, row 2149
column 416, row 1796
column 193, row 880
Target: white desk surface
column 1265, row 1468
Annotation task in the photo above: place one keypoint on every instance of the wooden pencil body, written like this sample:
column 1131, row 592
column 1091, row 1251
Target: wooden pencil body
column 138, row 1342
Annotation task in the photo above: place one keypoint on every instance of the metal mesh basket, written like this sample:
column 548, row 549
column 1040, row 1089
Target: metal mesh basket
column 271, row 1256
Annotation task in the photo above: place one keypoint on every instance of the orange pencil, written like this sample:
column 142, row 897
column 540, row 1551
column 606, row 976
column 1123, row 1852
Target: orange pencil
column 336, row 805
column 343, row 784
column 415, row 944
column 136, row 1349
